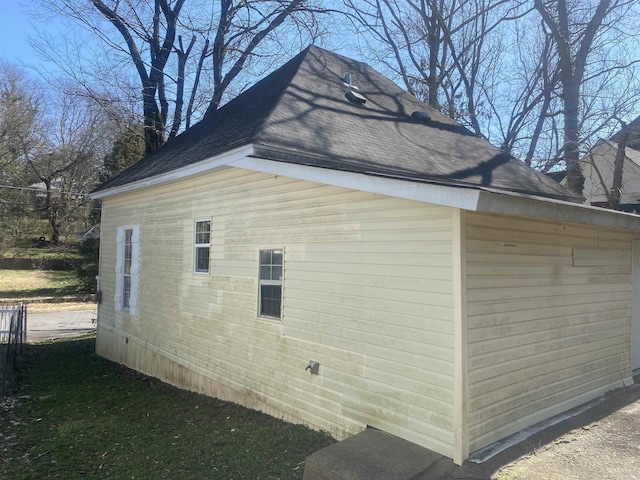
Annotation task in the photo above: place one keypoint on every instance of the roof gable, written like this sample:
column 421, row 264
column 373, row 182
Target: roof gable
column 299, row 114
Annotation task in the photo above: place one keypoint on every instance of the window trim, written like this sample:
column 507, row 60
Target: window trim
column 267, row 282
column 197, row 246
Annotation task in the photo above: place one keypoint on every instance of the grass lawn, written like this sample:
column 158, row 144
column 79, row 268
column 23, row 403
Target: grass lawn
column 80, row 416
column 30, row 284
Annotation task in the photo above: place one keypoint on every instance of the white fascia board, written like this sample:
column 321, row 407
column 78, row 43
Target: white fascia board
column 549, row 209
column 464, row 198
column 205, row 166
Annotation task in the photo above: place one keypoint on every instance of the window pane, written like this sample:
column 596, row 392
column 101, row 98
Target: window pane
column 202, row 259
column 265, row 257
column 203, row 232
column 276, row 273
column 265, row 273
column 266, row 307
column 275, row 306
column 276, row 258
column 128, row 250
column 270, row 300
column 126, row 291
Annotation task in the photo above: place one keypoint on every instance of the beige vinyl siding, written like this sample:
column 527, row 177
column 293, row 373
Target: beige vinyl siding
column 548, row 319
column 367, row 293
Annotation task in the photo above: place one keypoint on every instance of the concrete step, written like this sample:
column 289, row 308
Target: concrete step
column 376, row 455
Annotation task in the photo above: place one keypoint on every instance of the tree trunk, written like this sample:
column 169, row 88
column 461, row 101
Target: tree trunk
column 434, row 49
column 52, row 214
column 571, row 100
column 618, row 167
column 153, row 125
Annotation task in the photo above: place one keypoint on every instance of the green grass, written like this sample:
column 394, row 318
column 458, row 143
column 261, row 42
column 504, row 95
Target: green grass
column 81, row 416
column 29, row 284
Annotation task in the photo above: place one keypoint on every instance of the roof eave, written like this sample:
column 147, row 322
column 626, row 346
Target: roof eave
column 476, row 199
column 557, row 210
column 205, row 166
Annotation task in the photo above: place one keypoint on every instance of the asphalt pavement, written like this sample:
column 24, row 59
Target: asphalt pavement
column 46, row 326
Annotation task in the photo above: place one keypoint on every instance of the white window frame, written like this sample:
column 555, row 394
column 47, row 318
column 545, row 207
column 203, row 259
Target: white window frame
column 270, row 281
column 129, row 270
column 197, row 246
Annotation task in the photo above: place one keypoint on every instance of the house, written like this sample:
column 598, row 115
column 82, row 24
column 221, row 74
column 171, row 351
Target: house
column 598, row 167
column 330, row 250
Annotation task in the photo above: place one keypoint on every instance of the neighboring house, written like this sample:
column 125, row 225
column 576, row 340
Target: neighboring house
column 57, row 190
column 91, row 232
column 449, row 294
column 597, row 167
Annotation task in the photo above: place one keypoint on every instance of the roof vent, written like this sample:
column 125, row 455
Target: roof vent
column 347, row 82
column 420, row 115
column 355, row 97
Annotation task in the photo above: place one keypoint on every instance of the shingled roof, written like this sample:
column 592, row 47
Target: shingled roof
column 299, row 114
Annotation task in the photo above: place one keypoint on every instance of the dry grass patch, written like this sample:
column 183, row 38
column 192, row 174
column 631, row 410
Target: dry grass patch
column 30, row 284
column 46, row 307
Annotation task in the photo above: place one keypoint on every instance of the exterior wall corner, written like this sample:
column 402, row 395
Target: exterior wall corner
column 461, row 428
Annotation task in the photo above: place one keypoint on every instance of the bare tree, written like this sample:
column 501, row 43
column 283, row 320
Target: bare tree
column 541, row 79
column 73, row 137
column 18, row 114
column 181, row 50
column 51, row 146
column 444, row 51
column 576, row 30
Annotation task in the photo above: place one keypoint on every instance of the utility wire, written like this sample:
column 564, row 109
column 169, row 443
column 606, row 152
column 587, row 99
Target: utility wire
column 34, row 189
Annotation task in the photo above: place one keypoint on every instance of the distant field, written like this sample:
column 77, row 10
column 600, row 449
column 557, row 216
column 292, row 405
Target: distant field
column 44, row 290
column 25, row 284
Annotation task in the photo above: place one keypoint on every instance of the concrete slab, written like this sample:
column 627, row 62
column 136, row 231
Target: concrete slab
column 375, row 455
column 46, row 326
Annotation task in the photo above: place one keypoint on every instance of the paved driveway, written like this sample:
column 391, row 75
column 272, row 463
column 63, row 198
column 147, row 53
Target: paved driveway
column 601, row 443
column 45, row 326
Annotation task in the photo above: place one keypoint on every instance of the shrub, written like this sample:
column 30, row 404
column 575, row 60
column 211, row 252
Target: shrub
column 87, row 269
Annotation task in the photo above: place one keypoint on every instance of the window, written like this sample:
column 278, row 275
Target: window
column 201, row 246
column 270, row 283
column 126, row 275
column 127, row 267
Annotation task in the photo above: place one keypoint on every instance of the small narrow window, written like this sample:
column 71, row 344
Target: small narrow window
column 202, row 246
column 270, row 283
column 127, row 269
column 126, row 275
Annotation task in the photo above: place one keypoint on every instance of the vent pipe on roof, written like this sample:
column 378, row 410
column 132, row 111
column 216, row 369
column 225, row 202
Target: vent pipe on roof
column 347, row 82
column 352, row 95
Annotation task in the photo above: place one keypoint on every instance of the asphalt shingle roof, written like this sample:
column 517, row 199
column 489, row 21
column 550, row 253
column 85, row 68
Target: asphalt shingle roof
column 299, row 114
